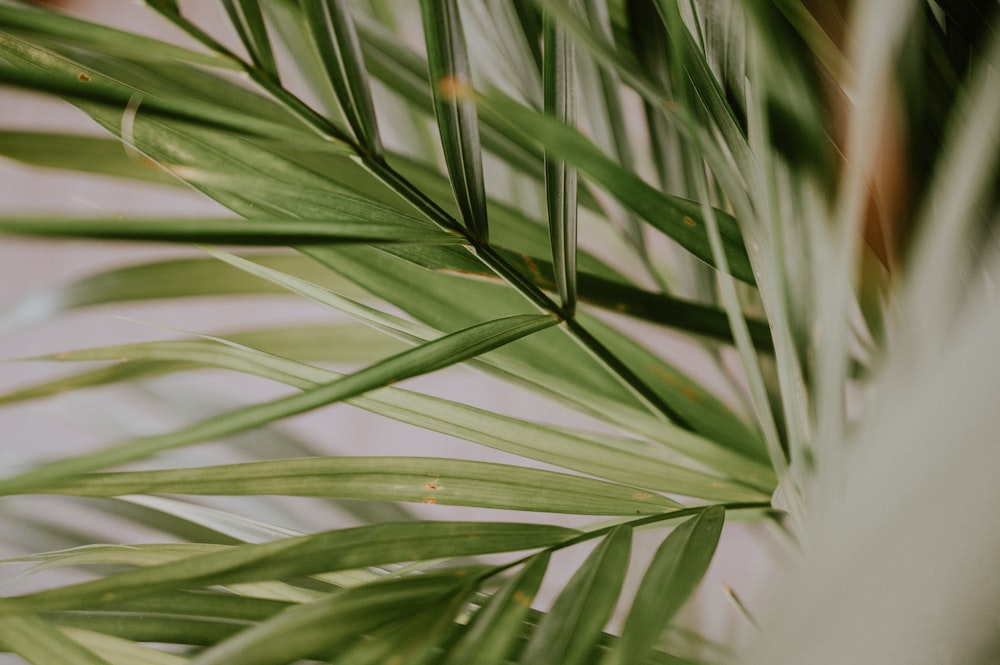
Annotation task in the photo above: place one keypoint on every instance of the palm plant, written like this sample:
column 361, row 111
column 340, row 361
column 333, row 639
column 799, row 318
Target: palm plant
column 573, row 199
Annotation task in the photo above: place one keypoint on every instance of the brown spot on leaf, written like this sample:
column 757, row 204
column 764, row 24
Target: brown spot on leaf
column 641, row 496
column 522, row 598
column 452, row 88
column 84, row 77
column 430, row 499
column 689, row 221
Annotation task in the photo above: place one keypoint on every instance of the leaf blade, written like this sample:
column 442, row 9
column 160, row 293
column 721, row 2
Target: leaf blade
column 678, row 565
column 571, row 629
column 451, row 79
column 416, row 479
column 431, row 356
column 336, row 40
column 560, row 178
column 335, row 229
column 328, row 551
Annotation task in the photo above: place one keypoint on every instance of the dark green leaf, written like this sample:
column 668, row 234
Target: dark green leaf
column 335, row 228
column 451, row 82
column 246, row 17
column 677, row 567
column 679, row 218
column 572, row 628
column 336, row 41
column 560, row 178
column 498, row 625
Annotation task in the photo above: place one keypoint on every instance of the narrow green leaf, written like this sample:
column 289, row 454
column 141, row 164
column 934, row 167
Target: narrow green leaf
column 337, row 621
column 143, row 628
column 679, row 218
column 451, row 82
column 118, row 651
column 498, row 625
column 572, row 628
column 607, row 292
column 328, row 551
column 415, row 640
column 560, row 178
column 246, row 17
column 37, row 24
column 571, row 376
column 39, row 642
column 334, row 229
column 621, row 460
column 336, row 40
column 172, row 278
column 343, row 343
column 77, row 152
column 405, row 72
column 416, row 479
column 31, row 67
column 450, row 349
column 676, row 568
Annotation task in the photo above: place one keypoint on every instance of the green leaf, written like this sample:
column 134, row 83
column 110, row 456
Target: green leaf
column 172, row 278
column 678, row 218
column 343, row 343
column 336, row 40
column 246, row 17
column 77, row 152
column 415, row 640
column 333, row 229
column 41, row 25
column 134, row 628
column 451, row 83
column 117, row 651
column 416, row 479
column 450, row 349
column 560, row 178
column 340, row 226
column 621, row 460
column 336, row 621
column 328, row 551
column 497, row 626
column 573, row 375
column 676, row 568
column 102, row 82
column 39, row 642
column 572, row 628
